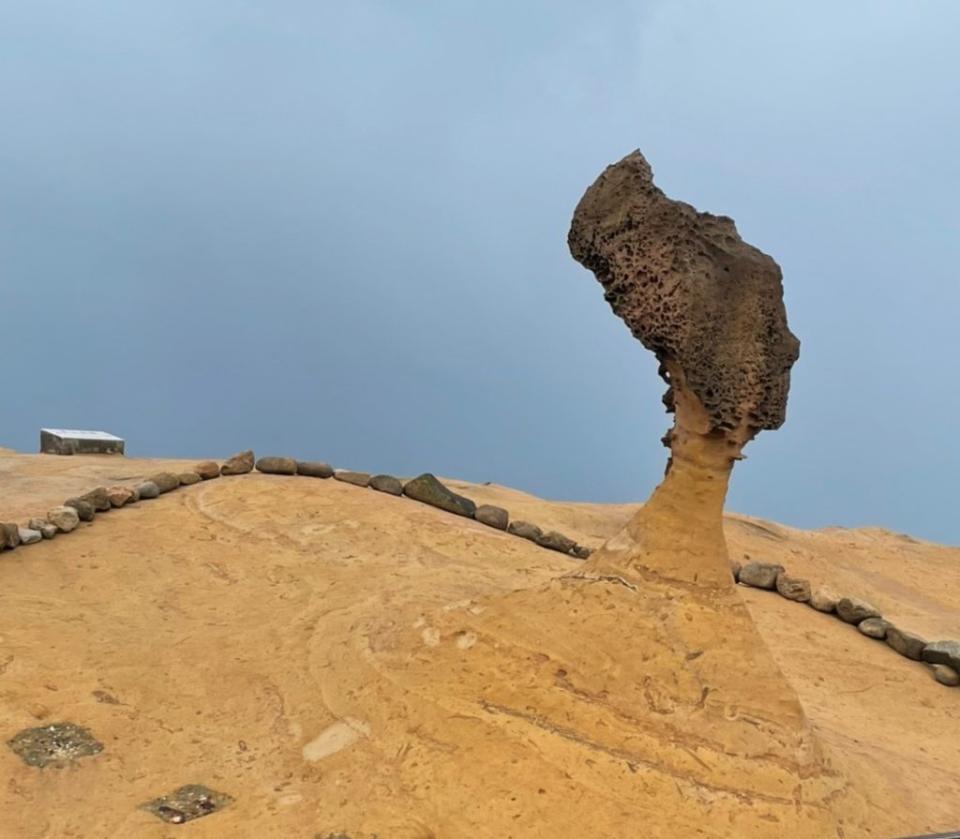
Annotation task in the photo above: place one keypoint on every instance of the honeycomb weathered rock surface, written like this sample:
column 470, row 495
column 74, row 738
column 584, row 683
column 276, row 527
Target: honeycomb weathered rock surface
column 693, row 292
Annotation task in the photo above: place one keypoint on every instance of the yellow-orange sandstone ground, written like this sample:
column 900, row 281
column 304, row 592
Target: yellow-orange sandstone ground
column 268, row 637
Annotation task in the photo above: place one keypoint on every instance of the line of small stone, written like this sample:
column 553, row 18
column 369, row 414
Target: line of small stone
column 942, row 656
column 425, row 488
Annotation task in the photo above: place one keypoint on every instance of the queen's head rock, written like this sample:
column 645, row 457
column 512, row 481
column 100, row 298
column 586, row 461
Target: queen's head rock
column 709, row 305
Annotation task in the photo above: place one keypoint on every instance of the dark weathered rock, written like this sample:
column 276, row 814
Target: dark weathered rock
column 121, row 495
column 360, row 479
column 386, row 483
column 9, row 535
column 314, row 469
column 874, row 628
column 57, row 744
column 47, row 530
column 147, row 490
column 945, row 675
column 735, row 571
column 555, row 541
column 525, row 530
column 189, row 478
column 793, row 588
column 29, row 536
column 63, row 518
column 428, row 490
column 239, row 464
column 165, row 481
column 906, row 643
column 705, row 302
column 207, row 469
column 943, row 652
column 824, row 600
column 84, row 509
column 854, row 610
column 187, row 803
column 99, row 498
column 760, row 574
column 581, row 552
column 277, row 465
column 492, row 516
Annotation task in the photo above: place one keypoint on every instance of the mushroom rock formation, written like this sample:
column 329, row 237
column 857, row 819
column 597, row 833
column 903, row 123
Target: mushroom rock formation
column 635, row 695
column 710, row 307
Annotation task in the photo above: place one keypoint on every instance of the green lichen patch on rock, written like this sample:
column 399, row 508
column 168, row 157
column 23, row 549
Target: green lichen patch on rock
column 54, row 745
column 187, row 803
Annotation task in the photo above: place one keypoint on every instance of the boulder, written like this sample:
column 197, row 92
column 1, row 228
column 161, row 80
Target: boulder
column 906, row 643
column 428, row 490
column 555, row 541
column 10, row 534
column 824, row 600
column 360, row 479
column 120, row 495
column 63, row 518
column 29, row 536
column 47, row 530
column 735, row 570
column 207, row 469
column 189, row 478
column 84, row 509
column 239, row 464
column 165, row 481
column 760, row 574
column 946, row 675
column 147, row 490
column 854, row 610
column 492, row 516
column 277, row 466
column 386, row 483
column 874, row 628
column 793, row 588
column 99, row 498
column 943, row 652
column 581, row 552
column 314, row 469
column 525, row 530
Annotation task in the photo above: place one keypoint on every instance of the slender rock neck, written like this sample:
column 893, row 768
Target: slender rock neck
column 678, row 534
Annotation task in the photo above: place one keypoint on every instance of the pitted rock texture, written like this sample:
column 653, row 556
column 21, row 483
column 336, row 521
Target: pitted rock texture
column 693, row 292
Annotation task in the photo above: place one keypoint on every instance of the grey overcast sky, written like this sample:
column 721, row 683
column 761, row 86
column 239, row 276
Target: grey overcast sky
column 337, row 230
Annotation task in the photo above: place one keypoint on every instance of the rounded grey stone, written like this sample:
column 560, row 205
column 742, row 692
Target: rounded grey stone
column 555, row 541
column 427, row 489
column 147, row 490
column 906, row 643
column 946, row 675
column 360, row 479
column 63, row 518
column 387, row 484
column 525, row 530
column 98, row 498
column 824, row 600
column 760, row 574
column 165, row 481
column 492, row 516
column 874, row 628
column 29, row 536
column 793, row 588
column 189, row 478
column 314, row 469
column 854, row 610
column 277, row 465
column 239, row 464
column 943, row 652
column 84, row 509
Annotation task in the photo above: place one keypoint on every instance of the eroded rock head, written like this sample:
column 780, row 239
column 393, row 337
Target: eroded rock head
column 709, row 305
